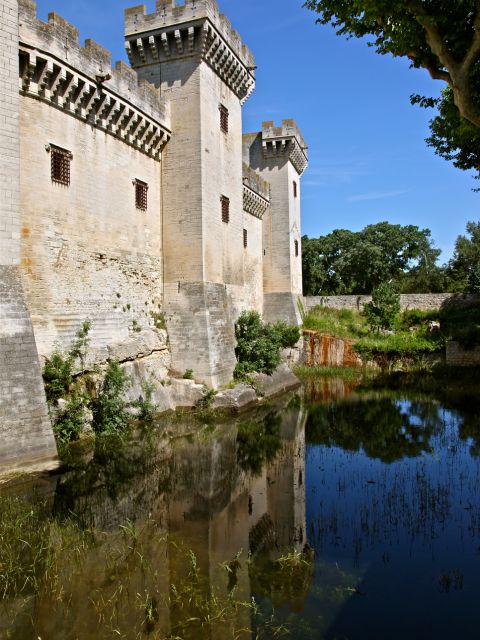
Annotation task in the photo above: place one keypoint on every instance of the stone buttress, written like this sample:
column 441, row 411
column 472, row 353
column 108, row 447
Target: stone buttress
column 26, row 434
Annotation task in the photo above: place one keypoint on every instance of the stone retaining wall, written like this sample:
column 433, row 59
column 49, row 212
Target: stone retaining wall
column 421, row 301
column 457, row 356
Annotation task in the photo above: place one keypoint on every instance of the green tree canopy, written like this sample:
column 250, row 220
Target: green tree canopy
column 464, row 267
column 347, row 262
column 441, row 36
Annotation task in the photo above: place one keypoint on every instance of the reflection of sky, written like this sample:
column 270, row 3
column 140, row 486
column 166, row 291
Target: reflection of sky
column 410, row 528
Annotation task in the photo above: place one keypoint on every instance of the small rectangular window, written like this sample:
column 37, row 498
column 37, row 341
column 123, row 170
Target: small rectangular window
column 141, row 195
column 296, row 248
column 223, row 118
column 61, row 159
column 225, row 209
column 294, row 189
column 245, row 238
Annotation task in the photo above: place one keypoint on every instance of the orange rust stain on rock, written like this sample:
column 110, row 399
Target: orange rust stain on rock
column 25, row 232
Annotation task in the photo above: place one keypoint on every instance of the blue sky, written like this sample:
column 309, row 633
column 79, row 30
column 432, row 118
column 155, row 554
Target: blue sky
column 368, row 159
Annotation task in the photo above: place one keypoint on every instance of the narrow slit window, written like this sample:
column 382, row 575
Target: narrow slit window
column 141, row 194
column 225, row 209
column 295, row 189
column 223, row 118
column 60, row 159
column 296, row 248
column 245, row 238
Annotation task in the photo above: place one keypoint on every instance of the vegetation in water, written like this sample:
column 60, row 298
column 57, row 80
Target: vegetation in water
column 259, row 344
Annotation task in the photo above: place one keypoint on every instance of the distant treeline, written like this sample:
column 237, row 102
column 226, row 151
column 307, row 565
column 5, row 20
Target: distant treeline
column 348, row 262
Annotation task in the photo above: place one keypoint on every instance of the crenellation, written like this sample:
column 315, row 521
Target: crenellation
column 55, row 67
column 286, row 141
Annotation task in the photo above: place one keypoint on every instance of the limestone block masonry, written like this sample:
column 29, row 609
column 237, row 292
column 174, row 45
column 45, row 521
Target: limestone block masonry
column 25, row 431
column 128, row 197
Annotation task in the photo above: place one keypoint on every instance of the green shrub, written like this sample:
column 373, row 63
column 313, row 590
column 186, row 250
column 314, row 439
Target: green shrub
column 109, row 407
column 70, row 422
column 382, row 312
column 59, row 370
column 414, row 318
column 147, row 408
column 188, row 375
column 287, row 334
column 258, row 346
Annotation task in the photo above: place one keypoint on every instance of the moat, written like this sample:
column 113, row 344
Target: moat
column 333, row 514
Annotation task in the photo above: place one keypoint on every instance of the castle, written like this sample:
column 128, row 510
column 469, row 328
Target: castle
column 131, row 197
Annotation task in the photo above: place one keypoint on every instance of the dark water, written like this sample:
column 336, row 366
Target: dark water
column 356, row 518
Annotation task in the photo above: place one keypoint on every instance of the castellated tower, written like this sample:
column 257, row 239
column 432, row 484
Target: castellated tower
column 192, row 53
column 279, row 155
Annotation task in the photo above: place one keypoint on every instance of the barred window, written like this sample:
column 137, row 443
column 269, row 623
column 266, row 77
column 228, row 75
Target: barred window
column 60, row 159
column 295, row 192
column 296, row 248
column 225, row 209
column 223, row 118
column 141, row 194
column 245, row 238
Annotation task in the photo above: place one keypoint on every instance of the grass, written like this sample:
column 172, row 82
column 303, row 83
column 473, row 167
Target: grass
column 117, row 580
column 342, row 323
column 348, row 374
column 410, row 341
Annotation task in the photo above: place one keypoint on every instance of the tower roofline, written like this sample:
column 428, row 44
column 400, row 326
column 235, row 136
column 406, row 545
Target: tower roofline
column 286, row 140
column 169, row 14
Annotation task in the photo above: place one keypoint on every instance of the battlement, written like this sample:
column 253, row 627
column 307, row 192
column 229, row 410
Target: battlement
column 285, row 140
column 255, row 182
column 171, row 14
column 81, row 80
column 195, row 28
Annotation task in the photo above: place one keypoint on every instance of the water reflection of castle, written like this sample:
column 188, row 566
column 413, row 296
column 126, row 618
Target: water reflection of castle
column 240, row 489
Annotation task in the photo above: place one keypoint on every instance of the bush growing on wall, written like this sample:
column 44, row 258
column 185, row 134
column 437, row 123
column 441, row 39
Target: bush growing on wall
column 259, row 344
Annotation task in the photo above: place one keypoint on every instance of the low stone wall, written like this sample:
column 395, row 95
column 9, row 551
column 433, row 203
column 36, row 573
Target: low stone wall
column 421, row 301
column 457, row 356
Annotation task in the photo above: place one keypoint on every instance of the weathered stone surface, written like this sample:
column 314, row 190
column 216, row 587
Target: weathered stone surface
column 185, row 393
column 280, row 381
column 150, row 370
column 240, row 397
column 138, row 345
column 329, row 351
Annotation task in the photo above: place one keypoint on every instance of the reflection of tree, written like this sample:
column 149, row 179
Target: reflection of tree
column 258, row 442
column 383, row 428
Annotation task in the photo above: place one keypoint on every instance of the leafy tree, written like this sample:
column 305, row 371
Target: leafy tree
column 452, row 137
column 440, row 36
column 382, row 312
column 347, row 262
column 464, row 267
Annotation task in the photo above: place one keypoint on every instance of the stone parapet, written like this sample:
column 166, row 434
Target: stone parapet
column 256, row 193
column 81, row 81
column 286, row 141
column 196, row 28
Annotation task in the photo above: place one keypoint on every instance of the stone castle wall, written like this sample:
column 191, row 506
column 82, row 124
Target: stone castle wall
column 420, row 301
column 25, row 429
column 88, row 251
